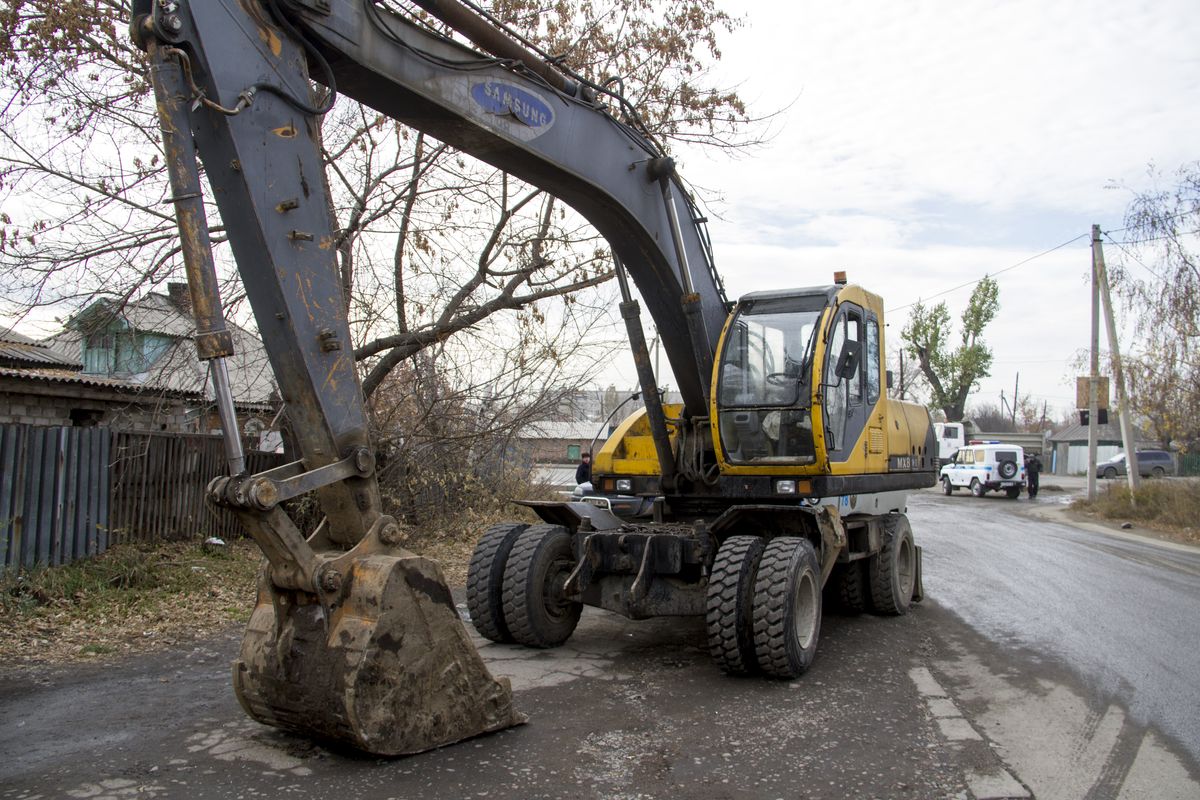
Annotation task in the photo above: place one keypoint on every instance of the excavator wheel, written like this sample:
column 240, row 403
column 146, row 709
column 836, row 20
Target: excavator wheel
column 485, row 580
column 381, row 663
column 536, row 610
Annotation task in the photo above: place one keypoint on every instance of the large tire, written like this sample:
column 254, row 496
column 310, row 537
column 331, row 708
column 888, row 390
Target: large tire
column 1013, row 492
column 485, row 580
column 849, row 586
column 947, row 486
column 729, row 604
column 787, row 607
column 535, row 609
column 1007, row 469
column 976, row 487
column 1110, row 472
column 894, row 568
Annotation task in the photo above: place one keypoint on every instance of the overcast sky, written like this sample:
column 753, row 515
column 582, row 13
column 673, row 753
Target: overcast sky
column 925, row 144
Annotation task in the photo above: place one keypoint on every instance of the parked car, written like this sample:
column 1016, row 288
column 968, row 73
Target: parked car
column 1151, row 464
column 986, row 467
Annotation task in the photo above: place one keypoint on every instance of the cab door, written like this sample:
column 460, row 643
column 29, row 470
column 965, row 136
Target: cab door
column 844, row 399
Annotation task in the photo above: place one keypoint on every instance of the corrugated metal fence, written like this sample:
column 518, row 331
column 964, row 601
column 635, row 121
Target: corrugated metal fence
column 54, row 494
column 70, row 492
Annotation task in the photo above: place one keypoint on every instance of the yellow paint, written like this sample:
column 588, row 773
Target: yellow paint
column 286, row 132
column 880, row 436
column 630, row 449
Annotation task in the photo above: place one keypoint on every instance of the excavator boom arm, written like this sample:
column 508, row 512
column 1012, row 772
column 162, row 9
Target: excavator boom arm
column 496, row 109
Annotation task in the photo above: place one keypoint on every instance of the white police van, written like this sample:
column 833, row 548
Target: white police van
column 986, row 467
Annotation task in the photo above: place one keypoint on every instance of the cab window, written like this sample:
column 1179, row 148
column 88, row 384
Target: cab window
column 872, row 361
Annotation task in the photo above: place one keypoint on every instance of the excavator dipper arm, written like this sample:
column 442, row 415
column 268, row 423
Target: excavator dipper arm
column 353, row 638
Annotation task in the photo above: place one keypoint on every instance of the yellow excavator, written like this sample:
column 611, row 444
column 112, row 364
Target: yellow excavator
column 780, row 479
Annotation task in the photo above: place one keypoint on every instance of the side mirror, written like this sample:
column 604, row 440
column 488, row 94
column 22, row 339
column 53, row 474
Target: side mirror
column 890, row 380
column 847, row 363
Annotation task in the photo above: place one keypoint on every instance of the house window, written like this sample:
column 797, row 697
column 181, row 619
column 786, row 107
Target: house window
column 573, row 452
column 98, row 356
column 123, row 352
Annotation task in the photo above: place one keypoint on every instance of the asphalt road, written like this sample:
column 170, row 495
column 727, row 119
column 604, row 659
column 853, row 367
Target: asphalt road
column 1123, row 613
column 1046, row 662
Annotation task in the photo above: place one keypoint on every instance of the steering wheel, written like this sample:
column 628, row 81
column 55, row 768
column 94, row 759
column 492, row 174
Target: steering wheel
column 781, row 379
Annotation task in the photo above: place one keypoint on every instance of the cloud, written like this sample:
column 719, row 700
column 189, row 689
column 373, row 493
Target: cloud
column 926, row 144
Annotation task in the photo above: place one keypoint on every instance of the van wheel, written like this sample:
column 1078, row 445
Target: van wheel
column 1158, row 472
column 976, row 487
column 947, row 487
column 1110, row 473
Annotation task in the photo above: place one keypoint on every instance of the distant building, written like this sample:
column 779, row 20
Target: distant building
column 1070, row 446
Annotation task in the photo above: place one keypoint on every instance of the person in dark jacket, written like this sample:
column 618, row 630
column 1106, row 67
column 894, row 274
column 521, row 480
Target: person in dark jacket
column 583, row 473
column 1033, row 467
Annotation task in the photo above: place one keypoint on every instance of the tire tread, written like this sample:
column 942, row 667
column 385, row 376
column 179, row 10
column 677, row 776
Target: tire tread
column 730, row 596
column 485, row 580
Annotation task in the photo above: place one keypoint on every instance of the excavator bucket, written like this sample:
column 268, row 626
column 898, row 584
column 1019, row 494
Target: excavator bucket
column 383, row 664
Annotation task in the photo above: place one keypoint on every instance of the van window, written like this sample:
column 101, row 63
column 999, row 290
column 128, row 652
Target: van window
column 950, row 432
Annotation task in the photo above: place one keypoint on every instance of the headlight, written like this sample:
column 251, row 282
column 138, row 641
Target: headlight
column 624, row 485
column 785, row 487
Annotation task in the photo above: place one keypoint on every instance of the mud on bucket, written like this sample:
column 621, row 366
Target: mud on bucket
column 386, row 666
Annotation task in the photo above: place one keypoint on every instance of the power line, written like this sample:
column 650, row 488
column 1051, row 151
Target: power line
column 1136, row 260
column 992, row 275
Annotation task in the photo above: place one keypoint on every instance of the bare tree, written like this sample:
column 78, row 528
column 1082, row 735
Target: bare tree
column 430, row 243
column 1157, row 276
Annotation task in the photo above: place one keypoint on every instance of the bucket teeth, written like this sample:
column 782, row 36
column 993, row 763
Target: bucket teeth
column 387, row 667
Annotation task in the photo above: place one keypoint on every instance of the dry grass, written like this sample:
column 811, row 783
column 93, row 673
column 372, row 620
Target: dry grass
column 136, row 598
column 1168, row 507
column 131, row 598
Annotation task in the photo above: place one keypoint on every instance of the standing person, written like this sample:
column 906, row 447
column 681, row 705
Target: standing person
column 1033, row 467
column 583, row 473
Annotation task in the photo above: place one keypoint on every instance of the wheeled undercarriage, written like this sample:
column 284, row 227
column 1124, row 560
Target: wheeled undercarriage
column 758, row 574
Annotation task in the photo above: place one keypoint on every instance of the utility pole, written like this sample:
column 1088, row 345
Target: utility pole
column 1127, row 437
column 1014, row 404
column 1094, row 377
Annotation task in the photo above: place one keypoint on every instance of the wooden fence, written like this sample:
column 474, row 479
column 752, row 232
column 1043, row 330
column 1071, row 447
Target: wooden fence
column 69, row 492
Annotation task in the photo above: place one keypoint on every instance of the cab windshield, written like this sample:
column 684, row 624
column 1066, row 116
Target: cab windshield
column 764, row 386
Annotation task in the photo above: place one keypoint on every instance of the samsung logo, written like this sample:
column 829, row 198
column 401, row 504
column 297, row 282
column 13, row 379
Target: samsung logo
column 503, row 99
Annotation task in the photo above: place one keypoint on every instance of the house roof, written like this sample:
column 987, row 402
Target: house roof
column 1110, row 432
column 51, row 375
column 16, row 348
column 178, row 369
column 151, row 313
column 555, row 429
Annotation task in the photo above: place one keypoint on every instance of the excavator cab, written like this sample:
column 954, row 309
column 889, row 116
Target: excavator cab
column 764, row 379
column 798, row 383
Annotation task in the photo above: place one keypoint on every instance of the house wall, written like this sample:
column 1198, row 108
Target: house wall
column 34, row 409
column 555, row 451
